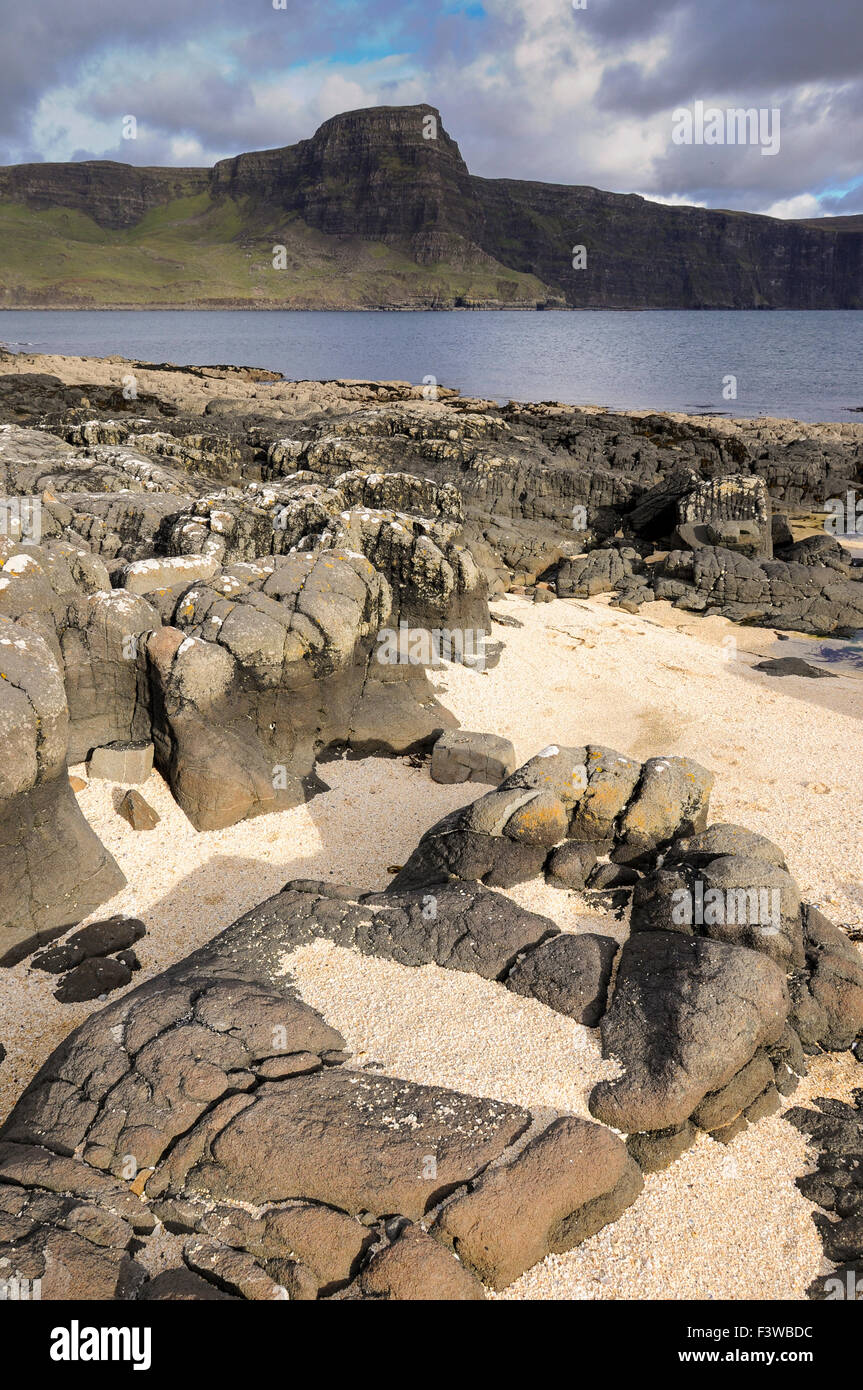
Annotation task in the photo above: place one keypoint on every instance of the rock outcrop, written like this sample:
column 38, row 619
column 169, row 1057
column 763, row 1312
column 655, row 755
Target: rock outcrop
column 54, row 868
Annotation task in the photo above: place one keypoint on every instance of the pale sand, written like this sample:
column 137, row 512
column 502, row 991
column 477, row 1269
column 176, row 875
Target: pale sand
column 576, row 672
column 722, row 1222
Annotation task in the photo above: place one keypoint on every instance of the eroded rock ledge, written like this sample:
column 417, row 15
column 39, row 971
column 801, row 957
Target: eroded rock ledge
column 213, row 1107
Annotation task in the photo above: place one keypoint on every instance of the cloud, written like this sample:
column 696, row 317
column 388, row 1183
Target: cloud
column 530, row 88
column 804, row 205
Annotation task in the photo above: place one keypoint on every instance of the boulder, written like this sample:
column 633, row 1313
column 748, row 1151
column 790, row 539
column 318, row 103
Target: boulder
column 568, row 973
column 687, row 1014
column 519, row 1212
column 417, row 1267
column 54, row 868
column 462, row 756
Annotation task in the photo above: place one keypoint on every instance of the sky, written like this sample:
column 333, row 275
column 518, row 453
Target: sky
column 567, row 91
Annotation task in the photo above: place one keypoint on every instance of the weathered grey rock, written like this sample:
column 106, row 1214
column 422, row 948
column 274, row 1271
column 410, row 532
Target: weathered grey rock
column 723, row 838
column 123, row 762
column 671, row 800
column 462, row 756
column 734, row 510
column 585, row 794
column 143, row 576
column 458, row 926
column 54, row 869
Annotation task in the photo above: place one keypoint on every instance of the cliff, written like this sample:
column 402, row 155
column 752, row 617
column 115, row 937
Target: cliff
column 378, row 209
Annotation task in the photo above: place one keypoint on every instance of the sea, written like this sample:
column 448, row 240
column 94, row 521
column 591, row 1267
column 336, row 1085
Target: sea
column 801, row 365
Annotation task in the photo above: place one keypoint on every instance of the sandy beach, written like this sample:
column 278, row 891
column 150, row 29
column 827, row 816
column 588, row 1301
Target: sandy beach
column 723, row 1222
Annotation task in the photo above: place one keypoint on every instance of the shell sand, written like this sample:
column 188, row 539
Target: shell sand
column 722, row 1222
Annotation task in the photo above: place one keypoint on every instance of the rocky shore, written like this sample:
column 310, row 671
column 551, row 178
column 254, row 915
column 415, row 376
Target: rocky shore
column 236, row 616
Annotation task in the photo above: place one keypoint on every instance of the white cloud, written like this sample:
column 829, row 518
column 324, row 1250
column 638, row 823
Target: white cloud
column 803, row 205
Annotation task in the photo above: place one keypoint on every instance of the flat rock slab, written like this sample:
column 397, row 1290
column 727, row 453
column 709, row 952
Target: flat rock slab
column 462, row 756
column 357, row 1142
column 123, row 762
column 144, row 576
column 792, row 666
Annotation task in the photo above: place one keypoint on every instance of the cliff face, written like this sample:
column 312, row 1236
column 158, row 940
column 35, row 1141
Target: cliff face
column 114, row 195
column 392, row 176
column 389, row 174
column 645, row 255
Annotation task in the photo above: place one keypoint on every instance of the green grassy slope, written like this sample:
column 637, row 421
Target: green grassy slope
column 195, row 252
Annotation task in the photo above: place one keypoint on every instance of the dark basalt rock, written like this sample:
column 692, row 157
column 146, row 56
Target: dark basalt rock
column 93, row 978
column 836, row 1128
column 568, row 973
column 687, row 1014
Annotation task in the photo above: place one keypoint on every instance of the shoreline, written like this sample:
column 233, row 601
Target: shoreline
column 80, row 369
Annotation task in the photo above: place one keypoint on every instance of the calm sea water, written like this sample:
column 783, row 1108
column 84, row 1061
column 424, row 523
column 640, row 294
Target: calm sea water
column 804, row 365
